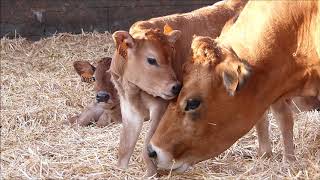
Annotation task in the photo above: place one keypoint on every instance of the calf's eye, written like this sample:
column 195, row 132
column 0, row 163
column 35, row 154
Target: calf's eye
column 192, row 104
column 152, row 61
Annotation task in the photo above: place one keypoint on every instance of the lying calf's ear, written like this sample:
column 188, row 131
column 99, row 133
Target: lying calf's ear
column 83, row 67
column 85, row 70
column 235, row 76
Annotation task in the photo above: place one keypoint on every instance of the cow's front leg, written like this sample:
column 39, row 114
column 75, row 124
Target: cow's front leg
column 131, row 126
column 262, row 128
column 156, row 113
column 284, row 117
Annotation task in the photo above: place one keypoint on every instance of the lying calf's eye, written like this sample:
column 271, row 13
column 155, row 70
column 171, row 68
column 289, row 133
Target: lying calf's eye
column 192, row 104
column 152, row 61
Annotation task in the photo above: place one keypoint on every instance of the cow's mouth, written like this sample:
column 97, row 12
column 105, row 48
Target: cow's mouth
column 102, row 100
column 176, row 168
column 167, row 97
column 181, row 168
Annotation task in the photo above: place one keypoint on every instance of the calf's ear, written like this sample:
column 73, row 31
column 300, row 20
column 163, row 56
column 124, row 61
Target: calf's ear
column 120, row 37
column 85, row 70
column 235, row 75
column 173, row 36
column 123, row 40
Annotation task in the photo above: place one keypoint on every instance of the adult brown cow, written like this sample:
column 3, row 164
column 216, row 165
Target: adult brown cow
column 106, row 108
column 272, row 52
column 146, row 68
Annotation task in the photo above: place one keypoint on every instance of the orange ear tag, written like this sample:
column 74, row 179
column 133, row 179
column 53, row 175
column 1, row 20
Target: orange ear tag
column 167, row 29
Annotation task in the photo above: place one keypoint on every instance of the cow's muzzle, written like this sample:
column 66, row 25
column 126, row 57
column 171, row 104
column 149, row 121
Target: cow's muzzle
column 151, row 153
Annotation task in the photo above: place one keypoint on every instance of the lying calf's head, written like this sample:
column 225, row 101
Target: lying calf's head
column 203, row 122
column 146, row 61
column 106, row 109
column 103, row 86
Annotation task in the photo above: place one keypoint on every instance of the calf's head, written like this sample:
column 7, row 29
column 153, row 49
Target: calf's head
column 146, row 61
column 105, row 91
column 203, row 121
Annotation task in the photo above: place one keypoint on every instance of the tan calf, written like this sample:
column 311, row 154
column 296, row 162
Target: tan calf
column 228, row 87
column 147, row 67
column 106, row 109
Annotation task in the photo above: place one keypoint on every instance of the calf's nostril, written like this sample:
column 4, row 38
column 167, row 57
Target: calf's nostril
column 102, row 96
column 176, row 89
column 151, row 152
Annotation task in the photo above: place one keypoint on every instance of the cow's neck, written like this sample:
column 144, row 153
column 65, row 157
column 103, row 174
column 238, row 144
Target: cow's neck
column 273, row 48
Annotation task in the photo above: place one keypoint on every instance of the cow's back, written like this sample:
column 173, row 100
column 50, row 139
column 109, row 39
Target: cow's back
column 284, row 24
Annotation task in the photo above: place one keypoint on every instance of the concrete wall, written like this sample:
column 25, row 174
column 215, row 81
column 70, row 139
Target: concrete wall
column 39, row 18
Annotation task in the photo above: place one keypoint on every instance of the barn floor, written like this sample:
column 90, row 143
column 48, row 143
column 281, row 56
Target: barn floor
column 39, row 90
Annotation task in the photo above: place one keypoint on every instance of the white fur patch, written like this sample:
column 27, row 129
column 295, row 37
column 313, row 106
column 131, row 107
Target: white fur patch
column 128, row 113
column 165, row 161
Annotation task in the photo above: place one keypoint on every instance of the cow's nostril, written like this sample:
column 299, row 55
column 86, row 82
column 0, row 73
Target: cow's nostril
column 102, row 96
column 176, row 88
column 151, row 152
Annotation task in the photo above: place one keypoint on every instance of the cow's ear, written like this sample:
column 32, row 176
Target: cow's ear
column 123, row 40
column 235, row 75
column 85, row 70
column 173, row 36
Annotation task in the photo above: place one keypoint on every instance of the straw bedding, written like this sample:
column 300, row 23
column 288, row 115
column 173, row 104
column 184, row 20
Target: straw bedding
column 40, row 90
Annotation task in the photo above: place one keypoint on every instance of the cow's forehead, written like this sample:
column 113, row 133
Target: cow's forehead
column 196, row 83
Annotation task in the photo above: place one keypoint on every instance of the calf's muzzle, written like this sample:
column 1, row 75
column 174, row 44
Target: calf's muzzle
column 102, row 96
column 176, row 88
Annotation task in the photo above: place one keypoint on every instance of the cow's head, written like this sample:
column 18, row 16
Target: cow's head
column 103, row 86
column 203, row 122
column 146, row 60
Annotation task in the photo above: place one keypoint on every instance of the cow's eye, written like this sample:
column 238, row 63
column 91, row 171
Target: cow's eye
column 192, row 104
column 152, row 61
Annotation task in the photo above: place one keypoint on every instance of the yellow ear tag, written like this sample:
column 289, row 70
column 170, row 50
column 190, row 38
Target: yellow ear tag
column 167, row 29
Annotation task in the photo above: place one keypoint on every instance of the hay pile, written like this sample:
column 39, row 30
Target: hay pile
column 39, row 90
